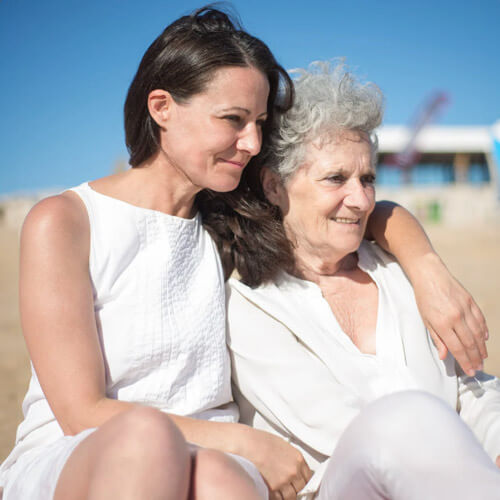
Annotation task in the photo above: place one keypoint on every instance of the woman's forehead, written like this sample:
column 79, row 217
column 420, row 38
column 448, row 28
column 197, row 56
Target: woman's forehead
column 334, row 137
column 339, row 151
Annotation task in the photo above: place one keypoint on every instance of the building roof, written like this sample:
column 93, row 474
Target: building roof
column 438, row 139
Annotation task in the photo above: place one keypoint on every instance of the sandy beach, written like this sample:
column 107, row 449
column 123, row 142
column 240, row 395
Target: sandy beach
column 472, row 253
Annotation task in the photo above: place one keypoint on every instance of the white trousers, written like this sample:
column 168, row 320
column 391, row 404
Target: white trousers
column 409, row 446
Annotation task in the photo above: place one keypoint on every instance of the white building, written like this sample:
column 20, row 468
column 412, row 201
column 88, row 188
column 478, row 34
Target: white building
column 454, row 175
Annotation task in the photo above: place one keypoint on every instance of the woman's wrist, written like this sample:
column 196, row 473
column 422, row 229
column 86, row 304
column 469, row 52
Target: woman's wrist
column 421, row 268
column 239, row 439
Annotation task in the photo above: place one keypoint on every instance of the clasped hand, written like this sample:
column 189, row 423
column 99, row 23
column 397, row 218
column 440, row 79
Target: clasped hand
column 282, row 466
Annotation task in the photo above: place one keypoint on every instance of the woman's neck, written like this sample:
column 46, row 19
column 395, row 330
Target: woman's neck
column 155, row 185
column 168, row 188
column 317, row 269
column 352, row 296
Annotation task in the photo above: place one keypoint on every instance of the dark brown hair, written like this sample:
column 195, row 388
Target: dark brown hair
column 247, row 229
column 183, row 59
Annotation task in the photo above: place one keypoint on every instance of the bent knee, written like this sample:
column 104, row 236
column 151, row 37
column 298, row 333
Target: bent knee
column 217, row 464
column 218, row 475
column 401, row 424
column 413, row 402
column 144, row 431
column 394, row 416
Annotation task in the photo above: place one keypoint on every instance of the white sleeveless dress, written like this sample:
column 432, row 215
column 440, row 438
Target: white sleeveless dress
column 160, row 312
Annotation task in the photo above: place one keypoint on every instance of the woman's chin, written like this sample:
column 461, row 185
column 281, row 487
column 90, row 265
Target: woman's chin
column 351, row 245
column 225, row 185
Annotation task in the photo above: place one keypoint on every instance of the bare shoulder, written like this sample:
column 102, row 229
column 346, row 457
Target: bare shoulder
column 64, row 209
column 59, row 221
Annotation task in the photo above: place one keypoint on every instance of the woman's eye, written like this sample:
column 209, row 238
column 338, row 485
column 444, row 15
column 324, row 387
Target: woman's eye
column 234, row 118
column 368, row 179
column 337, row 179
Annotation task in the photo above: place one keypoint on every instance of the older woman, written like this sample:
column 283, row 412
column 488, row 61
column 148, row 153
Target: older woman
column 122, row 293
column 328, row 348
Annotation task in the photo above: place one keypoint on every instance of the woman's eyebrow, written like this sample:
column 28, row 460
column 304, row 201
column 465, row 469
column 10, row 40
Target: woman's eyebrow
column 239, row 108
column 333, row 170
column 244, row 110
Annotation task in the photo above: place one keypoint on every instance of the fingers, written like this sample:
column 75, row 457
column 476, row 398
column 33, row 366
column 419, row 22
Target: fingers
column 440, row 346
column 452, row 317
column 469, row 325
column 456, row 347
column 288, row 492
column 463, row 332
column 291, row 490
column 298, row 484
column 306, row 472
column 275, row 495
column 480, row 327
column 478, row 334
column 471, row 352
column 498, row 461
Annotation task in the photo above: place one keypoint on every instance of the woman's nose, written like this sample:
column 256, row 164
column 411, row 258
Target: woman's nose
column 359, row 196
column 250, row 139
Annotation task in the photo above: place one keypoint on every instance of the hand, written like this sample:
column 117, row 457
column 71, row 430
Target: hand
column 451, row 315
column 498, row 461
column 282, row 466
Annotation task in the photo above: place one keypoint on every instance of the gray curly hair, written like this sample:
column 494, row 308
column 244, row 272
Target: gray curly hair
column 328, row 100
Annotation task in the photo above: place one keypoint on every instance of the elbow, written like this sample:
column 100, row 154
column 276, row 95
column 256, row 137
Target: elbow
column 71, row 425
column 79, row 417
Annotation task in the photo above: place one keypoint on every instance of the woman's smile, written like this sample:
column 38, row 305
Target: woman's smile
column 327, row 201
column 344, row 220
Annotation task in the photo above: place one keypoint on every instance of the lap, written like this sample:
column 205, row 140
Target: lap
column 408, row 446
column 35, row 474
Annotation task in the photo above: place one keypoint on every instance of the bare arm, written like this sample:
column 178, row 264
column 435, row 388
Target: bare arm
column 450, row 313
column 57, row 314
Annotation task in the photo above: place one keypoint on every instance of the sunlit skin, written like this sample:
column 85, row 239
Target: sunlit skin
column 210, row 139
column 327, row 202
column 204, row 142
column 325, row 206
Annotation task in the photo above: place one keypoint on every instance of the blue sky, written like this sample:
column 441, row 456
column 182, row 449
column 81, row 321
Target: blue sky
column 65, row 67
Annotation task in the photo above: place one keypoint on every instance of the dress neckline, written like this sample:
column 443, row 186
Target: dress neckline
column 157, row 213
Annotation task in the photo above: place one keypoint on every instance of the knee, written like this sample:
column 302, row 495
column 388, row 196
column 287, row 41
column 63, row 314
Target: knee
column 397, row 417
column 409, row 403
column 216, row 464
column 401, row 427
column 217, row 475
column 146, row 435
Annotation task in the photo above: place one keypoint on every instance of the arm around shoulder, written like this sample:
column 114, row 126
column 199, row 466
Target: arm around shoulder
column 451, row 315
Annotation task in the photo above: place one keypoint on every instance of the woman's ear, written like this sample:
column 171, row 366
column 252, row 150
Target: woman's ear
column 272, row 186
column 160, row 106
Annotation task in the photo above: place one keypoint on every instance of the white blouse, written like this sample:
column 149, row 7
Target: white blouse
column 297, row 374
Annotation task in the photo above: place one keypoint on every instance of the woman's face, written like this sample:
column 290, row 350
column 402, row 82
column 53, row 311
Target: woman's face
column 211, row 138
column 327, row 201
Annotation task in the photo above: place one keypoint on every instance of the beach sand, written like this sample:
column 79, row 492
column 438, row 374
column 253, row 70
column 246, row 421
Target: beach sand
column 472, row 254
